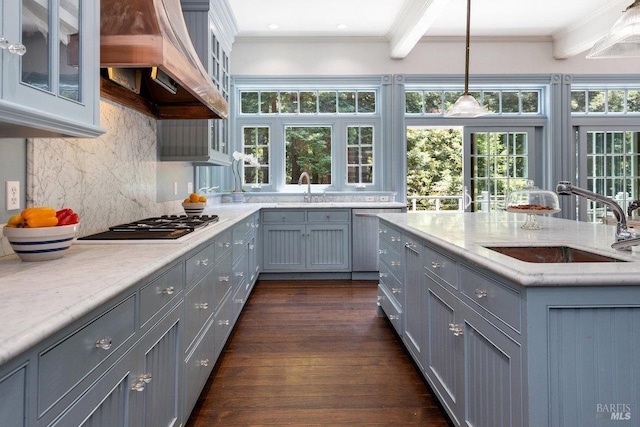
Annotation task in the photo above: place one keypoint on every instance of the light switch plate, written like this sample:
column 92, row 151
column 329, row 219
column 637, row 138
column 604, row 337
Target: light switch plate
column 13, row 195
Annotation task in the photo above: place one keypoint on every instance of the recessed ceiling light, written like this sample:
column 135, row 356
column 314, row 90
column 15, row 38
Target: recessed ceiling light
column 274, row 26
column 342, row 26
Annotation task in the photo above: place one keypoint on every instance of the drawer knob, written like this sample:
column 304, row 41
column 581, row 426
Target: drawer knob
column 168, row 291
column 104, row 343
column 382, row 231
column 141, row 382
column 224, row 278
column 435, row 264
column 481, row 293
column 239, row 242
column 381, row 298
column 384, row 274
column 395, row 239
column 456, row 329
column 223, row 322
column 396, row 290
column 239, row 273
column 239, row 301
column 251, row 246
column 204, row 362
column 204, row 261
column 395, row 263
column 382, row 251
column 202, row 306
column 394, row 316
column 226, row 244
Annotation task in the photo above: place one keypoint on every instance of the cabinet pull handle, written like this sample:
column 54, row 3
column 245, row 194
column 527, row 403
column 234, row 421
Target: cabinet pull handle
column 204, row 261
column 104, row 343
column 411, row 247
column 382, row 251
column 395, row 263
column 15, row 48
column 204, row 362
column 456, row 329
column 395, row 239
column 224, row 278
column 239, row 242
column 381, row 298
column 394, row 317
column 168, row 291
column 141, row 382
column 251, row 246
column 384, row 275
column 202, row 306
column 239, row 301
column 435, row 264
column 396, row 290
column 226, row 244
column 382, row 231
column 239, row 273
column 223, row 322
column 481, row 293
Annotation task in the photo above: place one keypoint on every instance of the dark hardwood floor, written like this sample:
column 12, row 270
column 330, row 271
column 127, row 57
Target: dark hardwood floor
column 315, row 353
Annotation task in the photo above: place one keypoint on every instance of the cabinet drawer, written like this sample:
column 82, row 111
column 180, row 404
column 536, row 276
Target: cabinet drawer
column 393, row 312
column 198, row 368
column 391, row 260
column 441, row 267
column 498, row 299
column 278, row 216
column 159, row 293
column 199, row 263
column 62, row 366
column 223, row 244
column 199, row 306
column 391, row 236
column 14, row 393
column 222, row 281
column 393, row 285
column 223, row 323
column 339, row 215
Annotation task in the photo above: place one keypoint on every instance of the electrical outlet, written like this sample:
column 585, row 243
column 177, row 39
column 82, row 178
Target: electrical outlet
column 384, row 198
column 13, row 195
column 368, row 199
column 189, row 187
column 175, row 188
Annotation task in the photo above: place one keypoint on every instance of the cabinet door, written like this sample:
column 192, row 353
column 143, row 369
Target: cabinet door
column 13, row 403
column 155, row 400
column 443, row 346
column 283, row 247
column 413, row 335
column 492, row 375
column 328, row 247
column 53, row 87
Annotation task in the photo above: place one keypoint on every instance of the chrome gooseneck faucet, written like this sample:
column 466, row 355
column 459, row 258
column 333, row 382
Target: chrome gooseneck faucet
column 624, row 237
column 307, row 197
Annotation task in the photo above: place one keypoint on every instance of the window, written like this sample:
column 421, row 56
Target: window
column 308, row 149
column 605, row 101
column 360, row 154
column 329, row 127
column 436, row 102
column 499, row 164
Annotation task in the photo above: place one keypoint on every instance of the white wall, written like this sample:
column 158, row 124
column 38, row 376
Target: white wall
column 354, row 56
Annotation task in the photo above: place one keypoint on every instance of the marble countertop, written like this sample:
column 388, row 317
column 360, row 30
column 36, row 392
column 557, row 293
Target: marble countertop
column 467, row 234
column 40, row 298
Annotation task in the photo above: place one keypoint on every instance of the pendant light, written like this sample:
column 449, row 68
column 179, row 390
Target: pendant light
column 623, row 40
column 466, row 105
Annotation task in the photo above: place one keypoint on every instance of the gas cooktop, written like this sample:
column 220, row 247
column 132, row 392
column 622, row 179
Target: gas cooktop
column 166, row 227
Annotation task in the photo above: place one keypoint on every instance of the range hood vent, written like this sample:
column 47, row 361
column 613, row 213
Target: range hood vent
column 149, row 64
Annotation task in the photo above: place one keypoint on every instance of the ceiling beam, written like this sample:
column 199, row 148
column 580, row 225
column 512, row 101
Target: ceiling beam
column 411, row 24
column 581, row 35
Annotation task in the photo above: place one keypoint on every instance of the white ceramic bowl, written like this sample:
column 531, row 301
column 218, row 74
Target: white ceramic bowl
column 194, row 209
column 42, row 243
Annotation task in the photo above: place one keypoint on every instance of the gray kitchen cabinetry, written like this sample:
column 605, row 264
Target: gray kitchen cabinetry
column 312, row 240
column 461, row 327
column 364, row 241
column 13, row 389
column 391, row 283
column 202, row 141
column 53, row 89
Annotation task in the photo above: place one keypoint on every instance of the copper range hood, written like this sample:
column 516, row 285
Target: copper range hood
column 147, row 62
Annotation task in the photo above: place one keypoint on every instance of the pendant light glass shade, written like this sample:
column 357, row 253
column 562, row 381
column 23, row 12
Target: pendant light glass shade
column 466, row 105
column 623, row 40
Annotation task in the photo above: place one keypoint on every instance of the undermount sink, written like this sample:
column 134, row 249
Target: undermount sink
column 551, row 254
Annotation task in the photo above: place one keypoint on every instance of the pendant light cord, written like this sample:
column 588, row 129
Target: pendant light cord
column 466, row 64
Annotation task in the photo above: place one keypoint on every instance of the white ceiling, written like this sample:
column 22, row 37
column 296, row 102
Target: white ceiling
column 572, row 25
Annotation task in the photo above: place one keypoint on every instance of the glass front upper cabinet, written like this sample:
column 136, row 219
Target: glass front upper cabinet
column 50, row 68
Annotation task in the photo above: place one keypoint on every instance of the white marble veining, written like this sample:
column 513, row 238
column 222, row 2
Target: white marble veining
column 466, row 234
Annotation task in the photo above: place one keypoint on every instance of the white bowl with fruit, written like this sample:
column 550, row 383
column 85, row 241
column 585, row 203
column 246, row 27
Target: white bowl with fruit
column 41, row 234
column 194, row 204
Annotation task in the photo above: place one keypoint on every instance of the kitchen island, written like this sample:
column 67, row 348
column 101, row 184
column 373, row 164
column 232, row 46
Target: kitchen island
column 506, row 342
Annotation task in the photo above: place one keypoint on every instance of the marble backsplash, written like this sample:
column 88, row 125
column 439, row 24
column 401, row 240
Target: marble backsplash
column 108, row 180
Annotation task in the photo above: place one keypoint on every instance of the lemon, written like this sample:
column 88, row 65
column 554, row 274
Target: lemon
column 202, row 199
